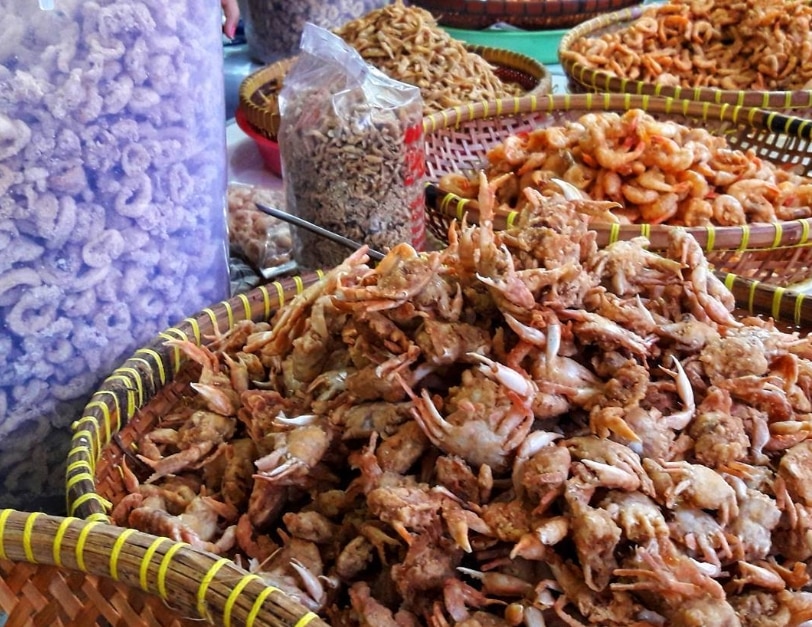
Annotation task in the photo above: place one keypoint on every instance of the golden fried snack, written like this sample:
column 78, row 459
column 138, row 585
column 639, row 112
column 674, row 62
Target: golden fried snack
column 407, row 44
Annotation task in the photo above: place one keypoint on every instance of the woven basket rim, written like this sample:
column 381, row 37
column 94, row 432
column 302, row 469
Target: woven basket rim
column 599, row 80
column 265, row 118
column 527, row 13
column 195, row 584
column 757, row 117
column 751, row 238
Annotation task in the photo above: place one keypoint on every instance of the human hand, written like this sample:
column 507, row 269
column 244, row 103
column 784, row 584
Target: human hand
column 231, row 12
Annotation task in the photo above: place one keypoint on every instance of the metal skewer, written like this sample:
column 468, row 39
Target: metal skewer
column 314, row 228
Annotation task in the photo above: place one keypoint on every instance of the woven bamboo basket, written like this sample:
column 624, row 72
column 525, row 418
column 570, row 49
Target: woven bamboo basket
column 583, row 78
column 259, row 91
column 527, row 14
column 780, row 253
column 63, row 572
column 132, row 399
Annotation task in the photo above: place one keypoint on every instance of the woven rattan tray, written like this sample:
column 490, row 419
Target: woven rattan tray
column 780, row 253
column 583, row 78
column 132, row 398
column 527, row 14
column 259, row 91
column 67, row 572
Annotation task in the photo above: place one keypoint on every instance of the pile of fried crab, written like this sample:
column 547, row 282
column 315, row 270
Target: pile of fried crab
column 519, row 429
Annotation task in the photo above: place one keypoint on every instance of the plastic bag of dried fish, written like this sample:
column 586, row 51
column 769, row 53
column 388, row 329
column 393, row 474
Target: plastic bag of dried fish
column 351, row 142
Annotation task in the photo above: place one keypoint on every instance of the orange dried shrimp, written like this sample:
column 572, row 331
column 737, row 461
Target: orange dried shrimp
column 644, row 170
column 520, row 429
column 742, row 45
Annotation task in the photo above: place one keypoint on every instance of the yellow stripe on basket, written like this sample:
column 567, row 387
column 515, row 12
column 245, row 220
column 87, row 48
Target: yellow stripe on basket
column 511, row 218
column 752, row 295
column 143, row 570
column 778, row 296
column 28, row 531
column 297, row 281
column 266, row 302
column 228, row 608
column 800, row 131
column 164, row 568
column 779, row 235
column 799, row 303
column 711, row 242
column 246, row 305
column 204, row 585
column 128, row 388
column 80, row 451
column 78, row 464
column 58, row 537
column 229, row 315
column 3, row 520
column 305, row 620
column 88, row 437
column 136, row 379
column 159, row 363
column 745, row 238
column 280, row 293
column 115, row 553
column 78, row 478
column 105, row 409
column 91, row 496
column 93, row 430
column 804, row 232
column 148, row 368
column 261, row 597
column 730, row 280
column 614, row 232
column 80, row 545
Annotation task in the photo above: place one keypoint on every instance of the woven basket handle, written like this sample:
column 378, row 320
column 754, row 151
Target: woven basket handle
column 194, row 583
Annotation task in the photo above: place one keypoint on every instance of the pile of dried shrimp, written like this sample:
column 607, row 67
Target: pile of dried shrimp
column 736, row 45
column 645, row 170
column 518, row 429
column 407, row 44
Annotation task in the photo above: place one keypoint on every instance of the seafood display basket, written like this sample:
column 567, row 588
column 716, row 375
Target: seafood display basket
column 780, row 253
column 64, row 571
column 259, row 91
column 527, row 14
column 134, row 396
column 583, row 78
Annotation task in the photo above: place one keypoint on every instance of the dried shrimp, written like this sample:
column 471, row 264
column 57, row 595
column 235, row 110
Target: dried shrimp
column 519, row 429
column 644, row 170
column 747, row 45
column 407, row 44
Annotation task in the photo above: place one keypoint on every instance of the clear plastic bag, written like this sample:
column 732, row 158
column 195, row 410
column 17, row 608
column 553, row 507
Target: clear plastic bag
column 273, row 28
column 351, row 142
column 261, row 240
column 112, row 221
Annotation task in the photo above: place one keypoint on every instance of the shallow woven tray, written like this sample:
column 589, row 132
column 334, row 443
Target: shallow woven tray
column 259, row 91
column 582, row 78
column 133, row 398
column 456, row 140
column 527, row 14
column 67, row 572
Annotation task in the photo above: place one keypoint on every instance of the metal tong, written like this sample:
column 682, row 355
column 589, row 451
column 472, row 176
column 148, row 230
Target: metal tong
column 318, row 230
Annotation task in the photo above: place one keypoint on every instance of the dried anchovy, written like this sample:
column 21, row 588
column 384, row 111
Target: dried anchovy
column 352, row 176
column 406, row 44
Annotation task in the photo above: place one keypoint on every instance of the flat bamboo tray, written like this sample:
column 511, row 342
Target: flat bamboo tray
column 527, row 14
column 583, row 78
column 259, row 91
column 67, row 572
column 457, row 140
